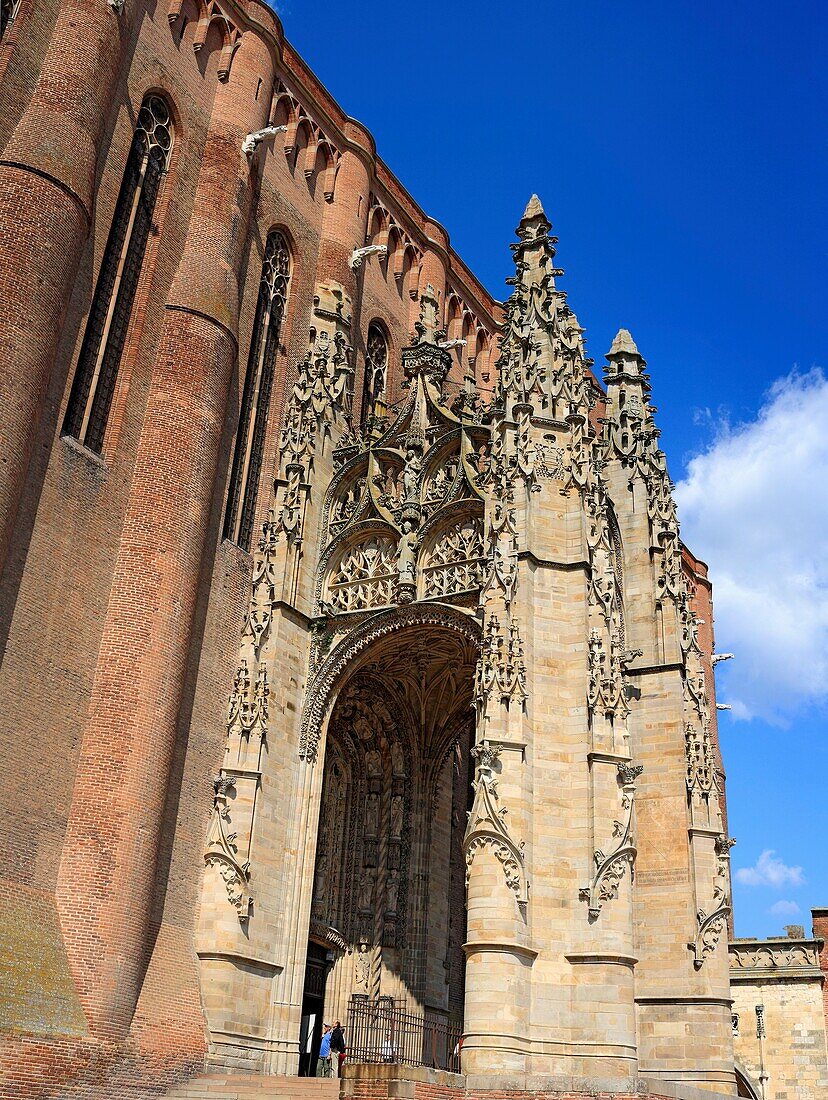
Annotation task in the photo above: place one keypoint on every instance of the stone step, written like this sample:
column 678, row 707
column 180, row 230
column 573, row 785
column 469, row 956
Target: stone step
column 246, row 1086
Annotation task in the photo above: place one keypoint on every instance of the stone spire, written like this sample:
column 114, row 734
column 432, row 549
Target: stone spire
column 629, row 430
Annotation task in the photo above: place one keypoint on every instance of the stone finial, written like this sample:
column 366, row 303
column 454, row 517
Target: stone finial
column 533, row 209
column 534, row 226
column 623, row 344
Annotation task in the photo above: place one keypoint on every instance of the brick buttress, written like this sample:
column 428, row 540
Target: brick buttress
column 47, row 183
column 108, row 873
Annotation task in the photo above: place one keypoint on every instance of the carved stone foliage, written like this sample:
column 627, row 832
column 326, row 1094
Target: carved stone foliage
column 610, row 866
column 354, row 645
column 321, row 393
column 248, row 705
column 606, row 693
column 630, row 436
column 348, row 504
column 777, row 955
column 542, row 367
column 487, row 826
column 701, row 765
column 607, row 656
column 711, row 927
column 247, row 723
column 501, row 670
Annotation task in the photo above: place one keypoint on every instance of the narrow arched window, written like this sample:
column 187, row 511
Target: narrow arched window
column 376, row 370
column 258, row 384
column 8, row 10
column 93, row 387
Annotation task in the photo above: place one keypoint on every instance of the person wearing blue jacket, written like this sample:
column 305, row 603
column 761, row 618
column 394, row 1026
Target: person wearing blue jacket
column 323, row 1063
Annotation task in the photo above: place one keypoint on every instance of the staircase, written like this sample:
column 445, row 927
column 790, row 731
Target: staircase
column 248, row 1086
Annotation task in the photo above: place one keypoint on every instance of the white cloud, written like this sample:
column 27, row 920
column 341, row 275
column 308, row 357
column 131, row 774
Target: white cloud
column 754, row 506
column 769, row 871
column 783, row 908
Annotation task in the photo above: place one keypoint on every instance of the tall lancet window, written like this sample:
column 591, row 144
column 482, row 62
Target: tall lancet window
column 376, row 370
column 93, row 386
column 258, row 384
column 8, row 10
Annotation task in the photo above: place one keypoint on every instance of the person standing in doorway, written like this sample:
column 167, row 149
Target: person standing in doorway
column 323, row 1062
column 337, row 1048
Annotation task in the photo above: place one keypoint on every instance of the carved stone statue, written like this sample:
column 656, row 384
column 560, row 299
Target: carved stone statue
column 392, row 891
column 366, row 889
column 411, row 472
column 397, row 815
column 373, row 764
column 372, row 815
column 407, row 557
column 398, row 758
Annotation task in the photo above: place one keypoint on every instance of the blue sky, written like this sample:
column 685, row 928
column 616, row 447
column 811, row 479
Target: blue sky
column 680, row 152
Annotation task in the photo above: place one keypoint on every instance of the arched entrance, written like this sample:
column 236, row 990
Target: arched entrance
column 388, row 902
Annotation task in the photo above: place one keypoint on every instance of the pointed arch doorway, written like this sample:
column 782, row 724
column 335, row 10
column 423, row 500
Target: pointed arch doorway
column 389, row 879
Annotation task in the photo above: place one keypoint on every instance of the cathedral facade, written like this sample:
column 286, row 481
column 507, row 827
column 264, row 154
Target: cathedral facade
column 353, row 666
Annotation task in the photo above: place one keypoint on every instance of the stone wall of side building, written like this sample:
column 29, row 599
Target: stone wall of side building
column 779, row 1022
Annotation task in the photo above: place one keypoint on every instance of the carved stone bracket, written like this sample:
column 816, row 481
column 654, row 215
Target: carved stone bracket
column 609, row 867
column 222, row 850
column 711, row 925
column 359, row 255
column 708, row 933
column 487, row 827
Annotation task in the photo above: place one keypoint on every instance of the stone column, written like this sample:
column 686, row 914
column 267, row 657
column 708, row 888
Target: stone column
column 499, row 950
column 499, row 955
column 682, row 875
column 47, row 185
column 107, row 880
